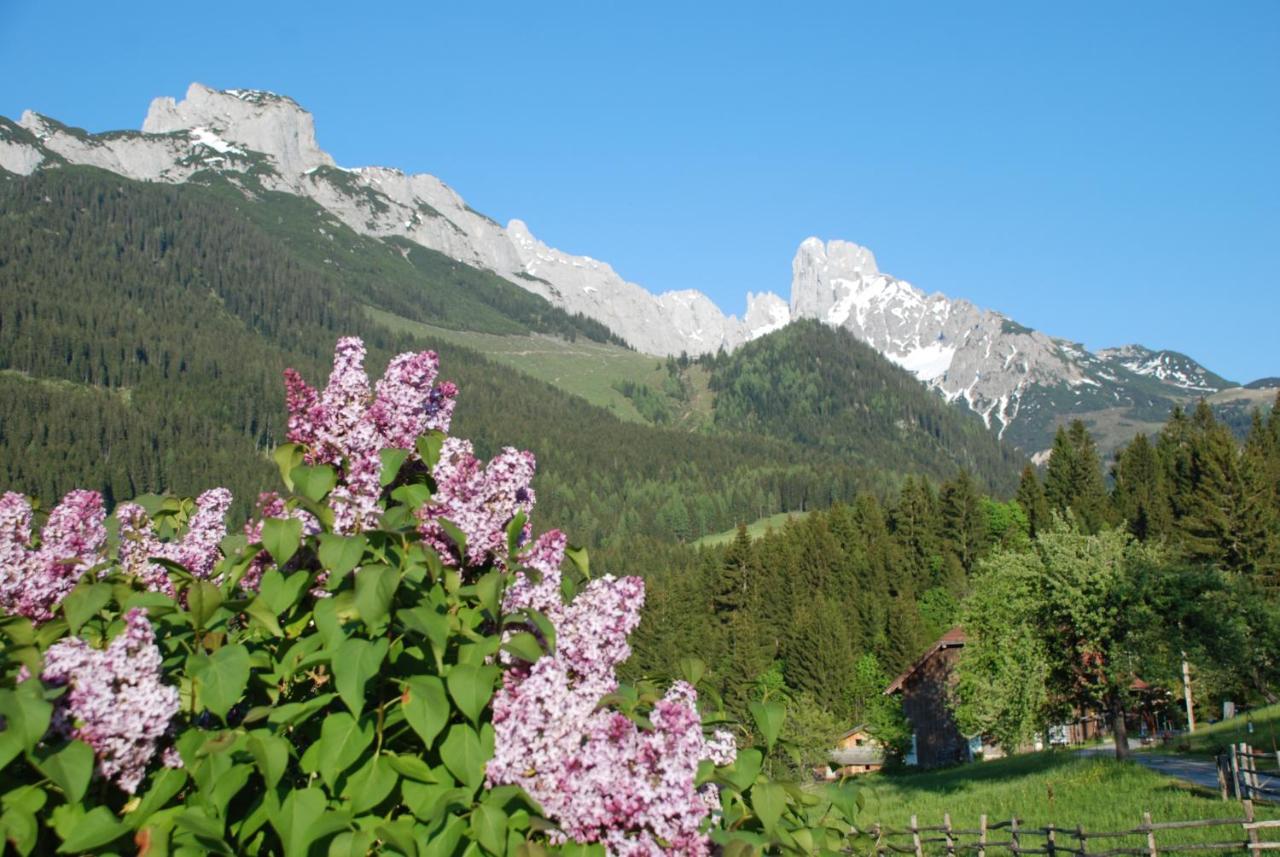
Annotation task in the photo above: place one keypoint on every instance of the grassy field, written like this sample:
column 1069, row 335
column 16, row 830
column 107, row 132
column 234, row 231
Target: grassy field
column 756, row 529
column 584, row 368
column 1061, row 788
column 1212, row 738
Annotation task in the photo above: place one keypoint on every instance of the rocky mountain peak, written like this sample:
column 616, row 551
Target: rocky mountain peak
column 262, row 121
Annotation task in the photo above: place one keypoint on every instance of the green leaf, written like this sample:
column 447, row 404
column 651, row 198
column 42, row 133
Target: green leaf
column 26, row 718
column 287, row 456
column 166, row 783
column 489, row 823
column 314, row 481
column 582, row 849
column 340, row 554
column 281, row 536
column 298, row 819
column 70, row 768
column 413, row 495
column 279, row 592
column 487, row 590
column 746, row 766
column 370, row 785
column 270, row 754
column 471, row 688
column 463, row 755
column 430, row 624
column 515, row 531
column 375, row 588
column 221, row 678
column 392, row 459
column 768, row 800
column 343, row 739
column 19, row 828
column 293, row 713
column 264, row 616
column 412, row 767
column 578, row 556
column 354, row 663
column 92, row 830
column 83, row 602
column 428, row 447
column 524, row 646
column 203, row 600
column 426, row 707
column 455, row 534
column 768, row 717
column 692, row 669
column 353, row 843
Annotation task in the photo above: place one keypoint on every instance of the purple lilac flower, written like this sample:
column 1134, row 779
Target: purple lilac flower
column 592, row 769
column 348, row 424
column 33, row 581
column 479, row 499
column 197, row 550
column 115, row 701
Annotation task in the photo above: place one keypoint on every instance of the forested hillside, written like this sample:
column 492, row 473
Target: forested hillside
column 144, row 329
column 821, row 387
column 825, row 610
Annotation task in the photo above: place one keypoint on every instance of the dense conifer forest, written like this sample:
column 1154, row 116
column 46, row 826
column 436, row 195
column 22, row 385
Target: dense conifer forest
column 134, row 316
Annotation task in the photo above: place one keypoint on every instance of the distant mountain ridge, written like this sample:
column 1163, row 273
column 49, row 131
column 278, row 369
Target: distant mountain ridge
column 1020, row 381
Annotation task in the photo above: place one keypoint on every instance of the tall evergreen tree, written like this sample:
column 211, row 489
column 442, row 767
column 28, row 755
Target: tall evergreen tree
column 1073, row 481
column 1139, row 495
column 964, row 526
column 1031, row 498
column 818, row 655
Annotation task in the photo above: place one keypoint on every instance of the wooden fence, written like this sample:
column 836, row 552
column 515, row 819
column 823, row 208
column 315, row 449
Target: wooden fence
column 1238, row 774
column 1010, row 836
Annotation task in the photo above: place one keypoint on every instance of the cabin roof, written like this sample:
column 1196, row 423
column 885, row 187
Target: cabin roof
column 953, row 639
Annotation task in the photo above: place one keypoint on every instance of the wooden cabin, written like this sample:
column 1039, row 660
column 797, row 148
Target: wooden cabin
column 924, row 687
column 857, row 752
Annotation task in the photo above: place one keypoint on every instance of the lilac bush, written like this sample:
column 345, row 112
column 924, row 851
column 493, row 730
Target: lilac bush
column 115, row 700
column 442, row 697
column 33, row 580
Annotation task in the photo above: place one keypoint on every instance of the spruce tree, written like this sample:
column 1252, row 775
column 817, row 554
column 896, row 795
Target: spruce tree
column 1031, row 498
column 1139, row 495
column 964, row 526
column 818, row 656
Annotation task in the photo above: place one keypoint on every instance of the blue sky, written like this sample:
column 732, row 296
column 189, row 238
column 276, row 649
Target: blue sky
column 1108, row 172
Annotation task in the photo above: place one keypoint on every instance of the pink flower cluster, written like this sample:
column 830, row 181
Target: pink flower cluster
column 271, row 505
column 348, row 424
column 33, row 581
column 593, row 769
column 478, row 499
column 198, row 550
column 115, row 701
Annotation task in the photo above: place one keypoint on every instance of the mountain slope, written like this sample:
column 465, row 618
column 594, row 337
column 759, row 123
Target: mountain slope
column 1020, row 381
column 144, row 328
column 821, row 387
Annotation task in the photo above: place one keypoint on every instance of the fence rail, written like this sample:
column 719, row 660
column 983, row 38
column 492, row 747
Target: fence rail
column 1238, row 774
column 1066, row 841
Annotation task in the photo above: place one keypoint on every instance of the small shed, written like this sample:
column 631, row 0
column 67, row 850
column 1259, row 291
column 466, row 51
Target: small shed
column 924, row 687
column 857, row 752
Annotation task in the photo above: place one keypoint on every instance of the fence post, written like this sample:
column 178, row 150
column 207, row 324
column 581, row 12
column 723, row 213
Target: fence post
column 1251, row 765
column 1084, row 848
column 982, row 835
column 946, row 826
column 915, row 837
column 1235, row 773
column 1254, row 849
column 1151, row 835
column 1223, row 765
column 1016, row 846
column 1051, row 842
column 875, row 830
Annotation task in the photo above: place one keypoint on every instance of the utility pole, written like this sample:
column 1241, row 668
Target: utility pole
column 1186, row 693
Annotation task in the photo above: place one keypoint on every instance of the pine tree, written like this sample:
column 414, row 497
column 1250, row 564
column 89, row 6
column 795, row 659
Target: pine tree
column 964, row 527
column 729, row 594
column 914, row 523
column 817, row 653
column 1139, row 495
column 1073, row 481
column 1031, row 498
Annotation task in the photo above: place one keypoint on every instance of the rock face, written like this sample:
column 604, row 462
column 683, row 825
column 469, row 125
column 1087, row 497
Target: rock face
column 266, row 142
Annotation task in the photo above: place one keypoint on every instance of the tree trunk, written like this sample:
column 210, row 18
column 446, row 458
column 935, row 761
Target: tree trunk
column 1119, row 731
